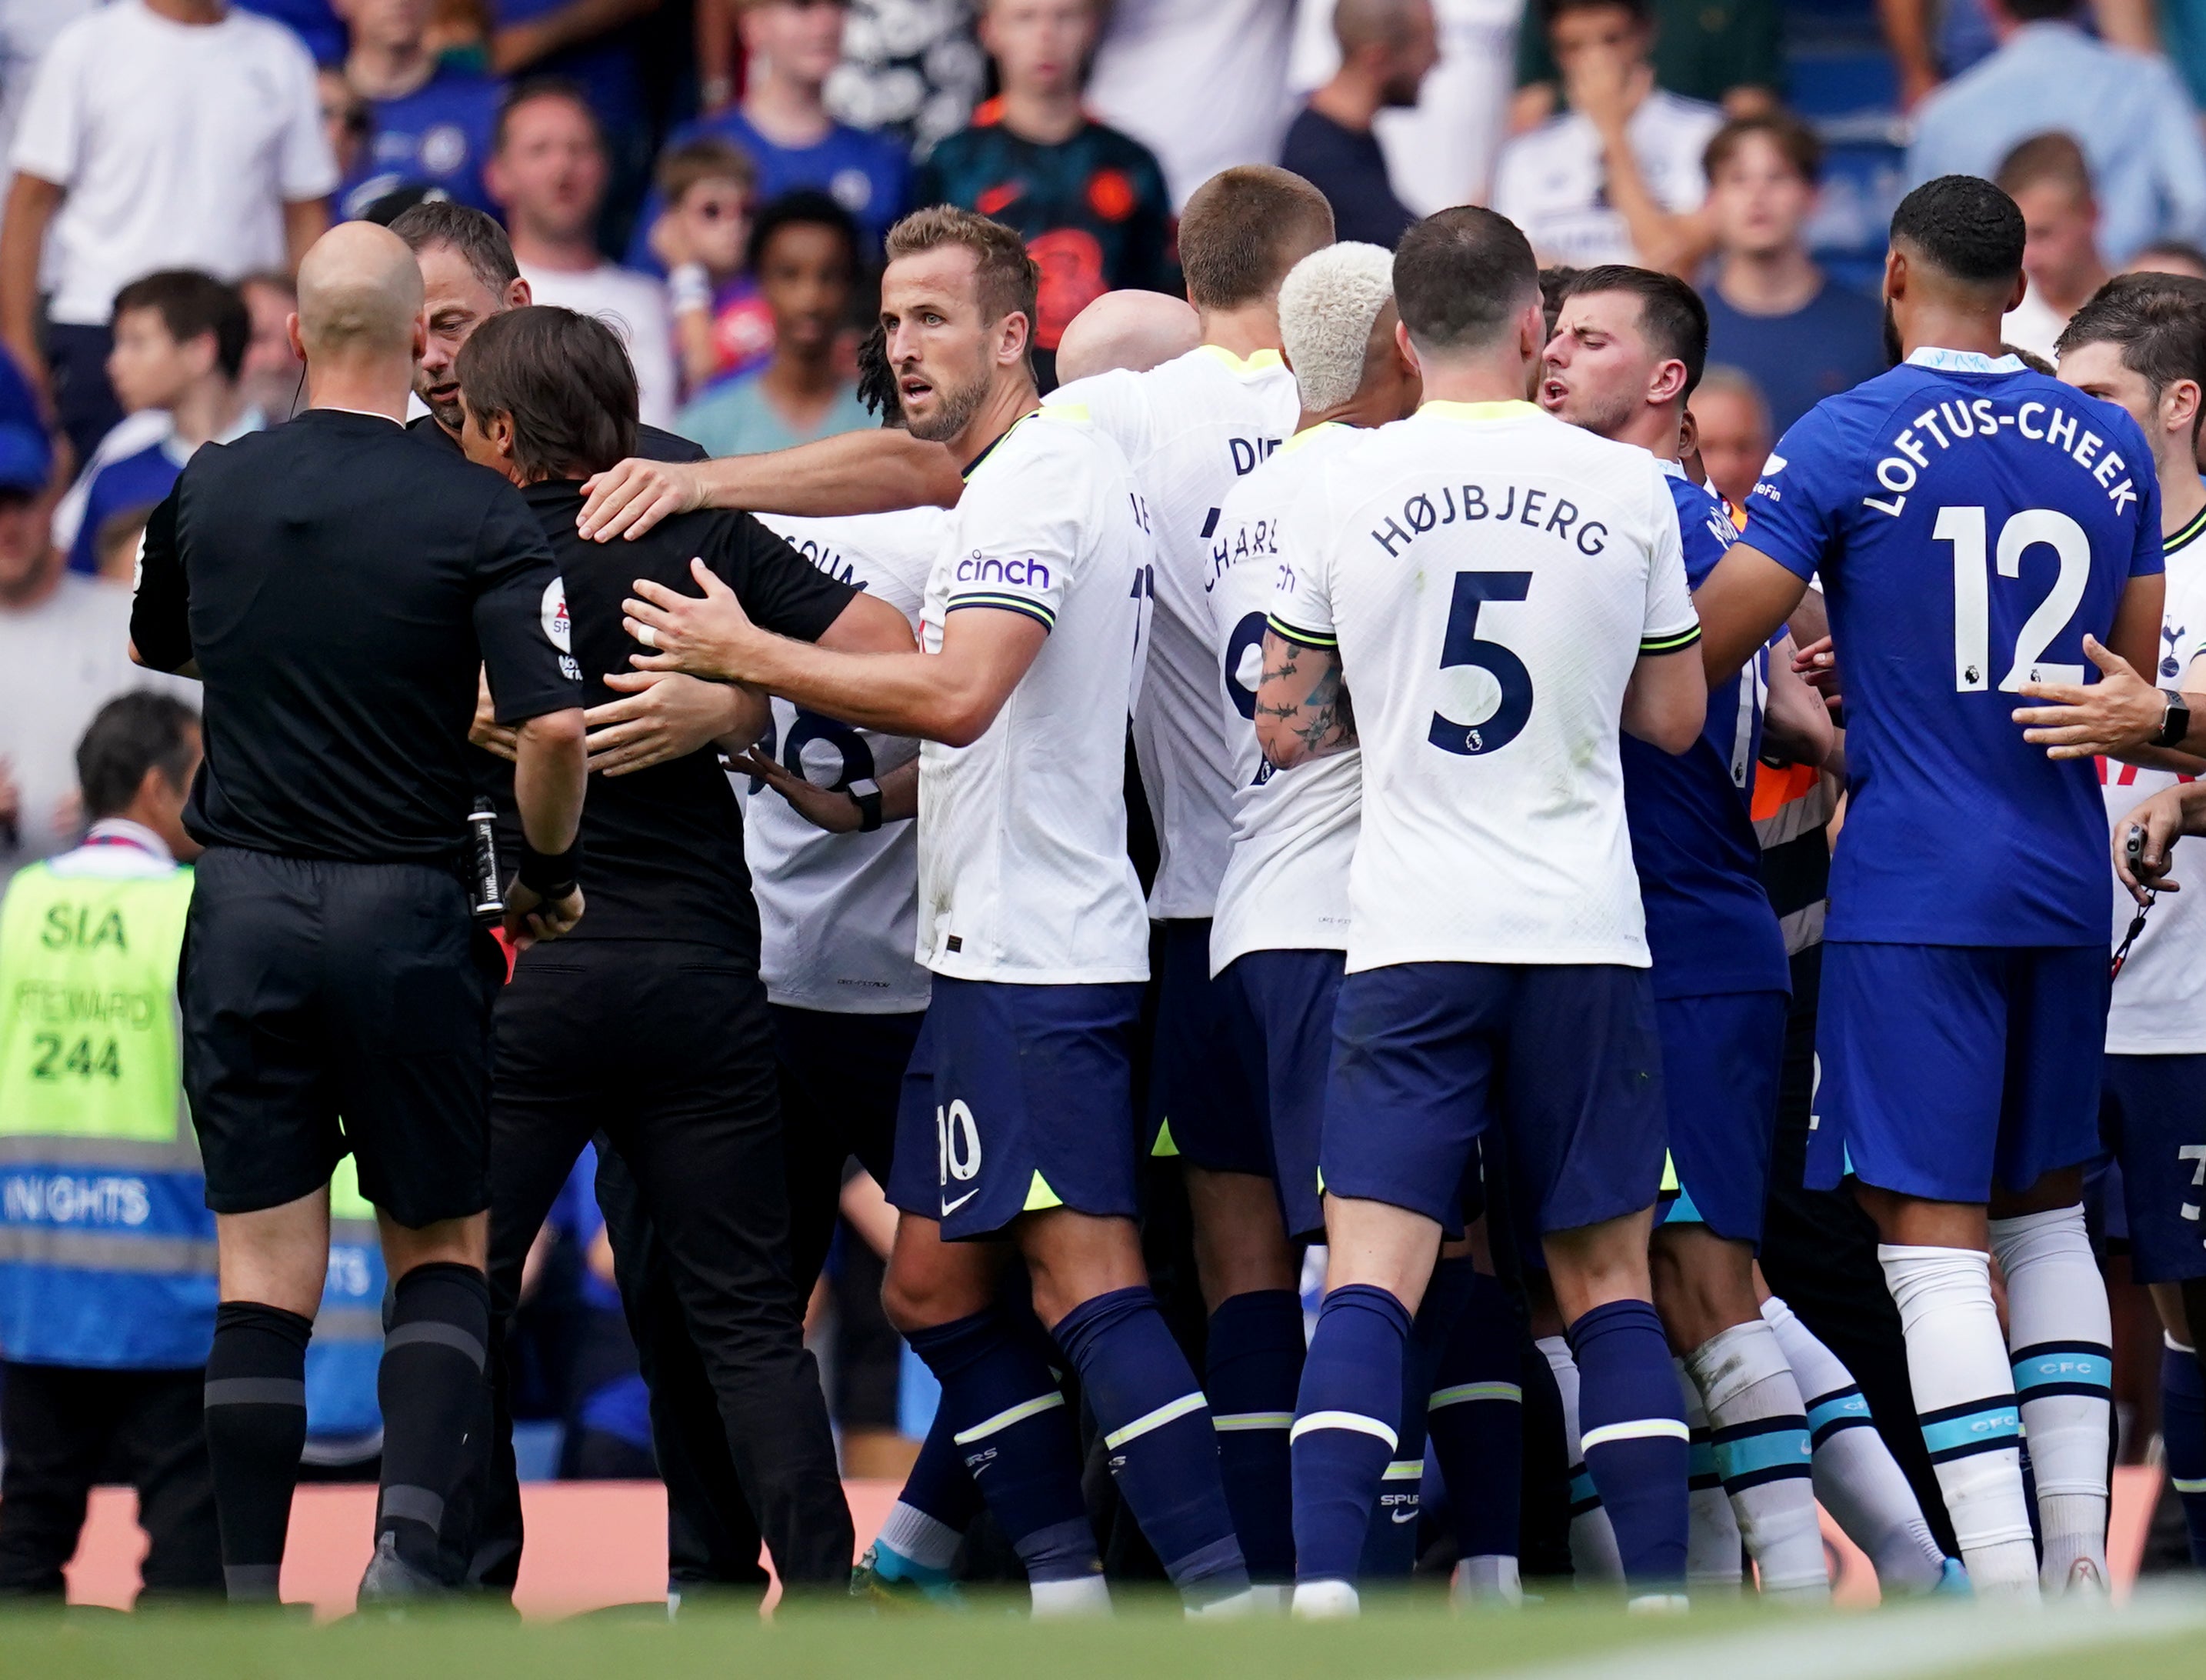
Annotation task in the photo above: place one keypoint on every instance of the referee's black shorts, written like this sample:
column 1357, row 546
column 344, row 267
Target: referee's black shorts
column 332, row 1006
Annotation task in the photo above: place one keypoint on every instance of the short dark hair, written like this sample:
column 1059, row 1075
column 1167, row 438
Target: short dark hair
column 2159, row 320
column 130, row 735
column 1671, row 313
column 876, row 381
column 1243, row 228
column 1461, row 274
column 806, row 208
column 528, row 91
column 1642, row 11
column 1555, row 284
column 705, row 157
column 1796, row 143
column 564, row 382
column 190, row 303
column 1965, row 227
column 477, row 237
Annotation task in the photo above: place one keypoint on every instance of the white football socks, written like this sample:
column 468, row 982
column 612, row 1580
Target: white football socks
column 1957, row 1362
column 2059, row 1330
column 1714, row 1565
column 1759, row 1424
column 1858, row 1479
column 1594, row 1559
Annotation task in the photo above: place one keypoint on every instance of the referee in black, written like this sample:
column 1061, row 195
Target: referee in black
column 337, row 589
column 651, row 1025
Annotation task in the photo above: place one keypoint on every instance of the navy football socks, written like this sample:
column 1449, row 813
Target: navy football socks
column 1348, row 1419
column 1475, row 1421
column 1631, row 1430
column 1252, row 1369
column 1156, row 1432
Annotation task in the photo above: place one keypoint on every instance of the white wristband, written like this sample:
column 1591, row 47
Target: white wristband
column 690, row 287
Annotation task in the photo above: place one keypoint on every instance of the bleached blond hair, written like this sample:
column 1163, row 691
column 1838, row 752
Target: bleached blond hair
column 1328, row 304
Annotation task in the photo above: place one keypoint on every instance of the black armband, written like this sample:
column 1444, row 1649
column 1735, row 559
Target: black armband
column 550, row 874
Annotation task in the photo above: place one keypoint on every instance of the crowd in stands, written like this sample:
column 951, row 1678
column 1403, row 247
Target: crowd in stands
column 714, row 178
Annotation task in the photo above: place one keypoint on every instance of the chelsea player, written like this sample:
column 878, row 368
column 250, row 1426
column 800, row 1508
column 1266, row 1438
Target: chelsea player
column 1973, row 524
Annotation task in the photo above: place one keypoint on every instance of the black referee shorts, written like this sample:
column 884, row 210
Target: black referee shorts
column 334, row 1006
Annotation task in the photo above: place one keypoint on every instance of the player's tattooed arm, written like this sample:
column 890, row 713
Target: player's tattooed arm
column 1303, row 710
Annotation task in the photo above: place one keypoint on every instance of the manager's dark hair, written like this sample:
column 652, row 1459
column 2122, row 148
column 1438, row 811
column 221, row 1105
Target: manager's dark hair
column 564, row 382
column 2158, row 320
column 1671, row 316
column 1965, row 227
column 190, row 304
column 130, row 735
column 1461, row 276
column 477, row 237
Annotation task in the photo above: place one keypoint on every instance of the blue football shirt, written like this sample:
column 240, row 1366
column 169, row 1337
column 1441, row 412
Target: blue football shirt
column 1971, row 521
column 1710, row 927
column 132, row 483
column 439, row 135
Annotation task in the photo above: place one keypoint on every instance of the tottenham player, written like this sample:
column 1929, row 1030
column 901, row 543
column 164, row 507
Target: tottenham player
column 1964, row 985
column 1189, row 428
column 1628, row 349
column 1498, row 591
column 1030, row 918
column 2140, row 343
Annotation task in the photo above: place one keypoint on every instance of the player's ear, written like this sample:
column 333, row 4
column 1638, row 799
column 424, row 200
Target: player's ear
column 1668, row 380
column 2021, row 289
column 2178, row 405
column 1895, row 274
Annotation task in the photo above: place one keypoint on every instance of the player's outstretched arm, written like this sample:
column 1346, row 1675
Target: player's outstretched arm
column 2120, row 711
column 1302, row 708
column 1742, row 603
column 855, row 472
column 1665, row 703
column 1796, row 725
column 952, row 696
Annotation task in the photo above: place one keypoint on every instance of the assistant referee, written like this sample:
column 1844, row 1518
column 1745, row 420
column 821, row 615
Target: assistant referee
column 337, row 587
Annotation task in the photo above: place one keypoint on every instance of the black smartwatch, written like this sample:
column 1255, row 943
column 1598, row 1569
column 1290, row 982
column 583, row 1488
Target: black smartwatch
column 865, row 795
column 2176, row 724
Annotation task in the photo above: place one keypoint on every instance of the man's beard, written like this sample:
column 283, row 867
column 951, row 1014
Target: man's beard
column 447, row 412
column 1604, row 418
column 1893, row 355
column 954, row 411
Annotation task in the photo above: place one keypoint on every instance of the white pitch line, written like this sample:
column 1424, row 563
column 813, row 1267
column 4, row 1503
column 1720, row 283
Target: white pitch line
column 1889, row 1645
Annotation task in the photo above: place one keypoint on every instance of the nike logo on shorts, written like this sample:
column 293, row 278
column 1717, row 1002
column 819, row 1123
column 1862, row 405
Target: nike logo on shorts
column 950, row 1207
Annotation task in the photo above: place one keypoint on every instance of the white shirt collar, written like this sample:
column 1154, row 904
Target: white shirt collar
column 1963, row 361
column 1675, row 469
column 121, row 831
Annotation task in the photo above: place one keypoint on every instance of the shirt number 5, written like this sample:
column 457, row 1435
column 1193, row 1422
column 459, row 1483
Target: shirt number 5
column 1484, row 681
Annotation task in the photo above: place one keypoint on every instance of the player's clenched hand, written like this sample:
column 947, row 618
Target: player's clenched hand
column 659, row 716
column 486, row 731
column 531, row 920
column 633, row 494
column 2118, row 711
column 2161, row 818
column 823, row 807
column 706, row 637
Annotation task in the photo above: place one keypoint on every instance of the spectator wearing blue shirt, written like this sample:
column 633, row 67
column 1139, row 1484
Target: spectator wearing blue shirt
column 608, row 1435
column 179, row 339
column 312, row 22
column 792, row 47
column 430, row 120
column 1772, row 312
column 2128, row 110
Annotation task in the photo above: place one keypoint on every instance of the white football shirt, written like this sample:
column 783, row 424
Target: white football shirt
column 1189, row 428
column 1294, row 830
column 2160, row 997
column 1024, row 875
column 839, row 913
column 1552, row 183
column 1491, row 575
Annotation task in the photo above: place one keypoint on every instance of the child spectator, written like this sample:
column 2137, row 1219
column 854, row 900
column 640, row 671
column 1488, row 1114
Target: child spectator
column 179, row 339
column 722, row 328
column 804, row 256
column 1090, row 202
column 430, row 120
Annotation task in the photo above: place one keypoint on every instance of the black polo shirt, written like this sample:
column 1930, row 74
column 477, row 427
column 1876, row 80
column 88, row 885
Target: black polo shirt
column 663, row 847
column 340, row 587
column 651, row 443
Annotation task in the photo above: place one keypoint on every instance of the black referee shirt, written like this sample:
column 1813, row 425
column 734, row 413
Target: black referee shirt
column 651, row 443
column 340, row 586
column 663, row 847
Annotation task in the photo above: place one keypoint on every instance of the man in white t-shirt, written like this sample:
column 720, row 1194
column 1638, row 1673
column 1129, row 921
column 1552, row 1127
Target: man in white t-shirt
column 548, row 171
column 1617, row 178
column 2140, row 343
column 1500, row 593
column 1202, row 83
column 1030, row 919
column 156, row 134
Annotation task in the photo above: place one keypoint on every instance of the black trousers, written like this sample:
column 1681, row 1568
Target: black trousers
column 1819, row 1252
column 665, row 1048
column 66, row 1430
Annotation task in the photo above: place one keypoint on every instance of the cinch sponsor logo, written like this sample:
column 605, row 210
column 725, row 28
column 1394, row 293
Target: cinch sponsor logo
column 1026, row 573
column 61, row 1198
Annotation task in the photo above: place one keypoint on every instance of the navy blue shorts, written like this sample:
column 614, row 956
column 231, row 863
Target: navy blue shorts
column 2152, row 1115
column 1420, row 1049
column 1018, row 1099
column 1722, row 1058
column 1950, row 1070
column 1285, row 999
column 1206, row 1101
